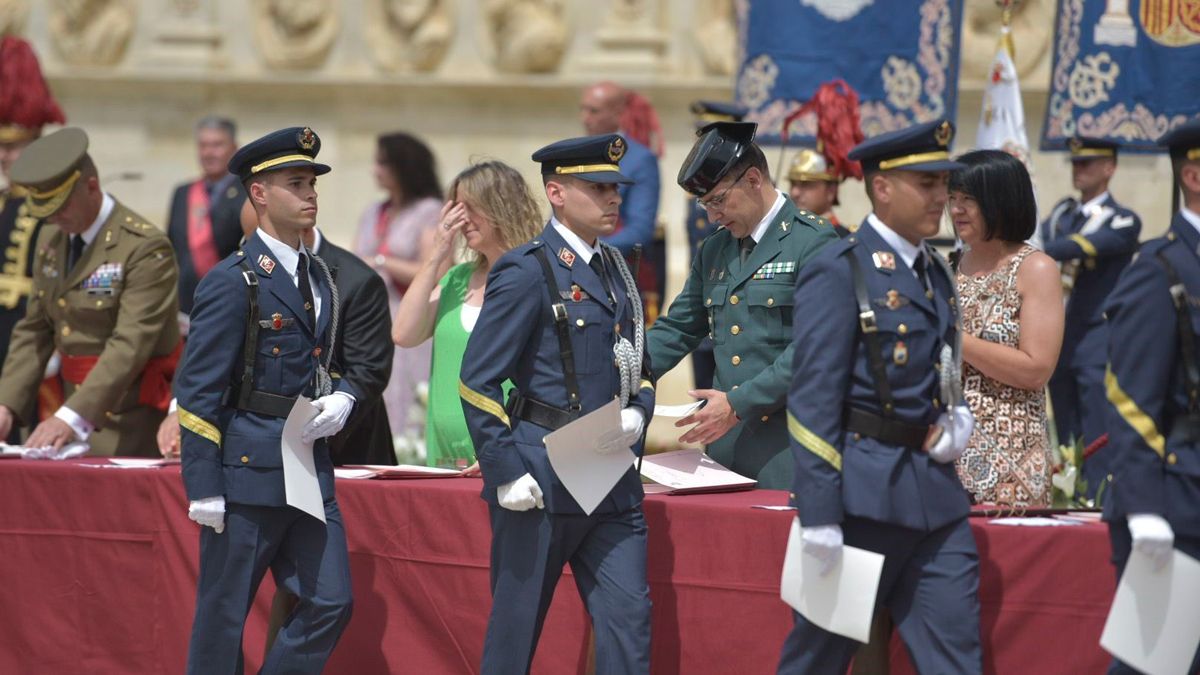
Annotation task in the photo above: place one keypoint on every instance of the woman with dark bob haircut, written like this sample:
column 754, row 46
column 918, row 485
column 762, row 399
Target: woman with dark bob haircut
column 396, row 236
column 1012, row 311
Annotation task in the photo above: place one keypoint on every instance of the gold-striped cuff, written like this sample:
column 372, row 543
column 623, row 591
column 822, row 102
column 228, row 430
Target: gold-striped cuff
column 1088, row 247
column 484, row 403
column 1133, row 415
column 646, row 384
column 201, row 427
column 814, row 443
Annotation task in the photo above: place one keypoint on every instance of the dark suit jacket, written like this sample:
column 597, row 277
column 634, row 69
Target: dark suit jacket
column 364, row 350
column 226, row 210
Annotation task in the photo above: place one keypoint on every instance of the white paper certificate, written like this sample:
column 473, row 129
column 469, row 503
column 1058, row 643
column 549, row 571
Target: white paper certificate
column 587, row 474
column 842, row 601
column 299, row 471
column 1154, row 623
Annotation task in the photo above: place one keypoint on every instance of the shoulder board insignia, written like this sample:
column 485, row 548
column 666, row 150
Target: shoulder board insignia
column 567, row 256
column 266, row 263
column 884, row 260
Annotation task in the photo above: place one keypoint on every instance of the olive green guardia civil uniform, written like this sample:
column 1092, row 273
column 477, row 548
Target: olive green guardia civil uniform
column 112, row 315
column 747, row 309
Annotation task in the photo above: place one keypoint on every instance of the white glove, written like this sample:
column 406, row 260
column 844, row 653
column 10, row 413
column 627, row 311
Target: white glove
column 1153, row 536
column 520, row 495
column 209, row 512
column 53, row 366
column 957, row 424
column 67, row 451
column 633, row 421
column 823, row 542
column 335, row 410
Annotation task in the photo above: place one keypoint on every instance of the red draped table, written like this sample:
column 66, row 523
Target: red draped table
column 99, row 570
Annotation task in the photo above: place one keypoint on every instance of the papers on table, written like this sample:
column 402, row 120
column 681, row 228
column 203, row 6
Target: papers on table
column 690, row 471
column 770, row 507
column 11, row 451
column 141, row 462
column 589, row 475
column 299, row 471
column 843, row 601
column 681, row 410
column 1154, row 623
column 1036, row 521
column 402, row 471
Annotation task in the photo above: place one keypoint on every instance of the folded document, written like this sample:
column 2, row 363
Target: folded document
column 689, row 471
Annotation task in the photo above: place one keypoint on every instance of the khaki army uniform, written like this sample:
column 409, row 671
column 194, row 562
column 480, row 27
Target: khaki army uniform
column 113, row 318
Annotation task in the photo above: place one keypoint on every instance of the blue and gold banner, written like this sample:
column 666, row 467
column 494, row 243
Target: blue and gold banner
column 901, row 56
column 1124, row 70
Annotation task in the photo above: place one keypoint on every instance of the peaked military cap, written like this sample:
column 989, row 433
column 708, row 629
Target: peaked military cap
column 48, row 169
column 719, row 146
column 718, row 111
column 592, row 158
column 1084, row 148
column 1183, row 140
column 921, row 147
column 294, row 146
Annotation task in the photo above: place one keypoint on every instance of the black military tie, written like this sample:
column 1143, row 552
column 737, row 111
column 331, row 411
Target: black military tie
column 919, row 266
column 306, row 290
column 76, row 252
column 597, row 265
column 746, row 247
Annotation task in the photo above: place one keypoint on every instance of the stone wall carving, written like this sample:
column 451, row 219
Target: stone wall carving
column 716, row 36
column 408, row 35
column 295, row 34
column 92, row 32
column 13, row 15
column 527, row 36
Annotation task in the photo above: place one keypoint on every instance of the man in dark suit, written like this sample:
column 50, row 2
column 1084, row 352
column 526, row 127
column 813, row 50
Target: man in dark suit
column 364, row 350
column 205, row 225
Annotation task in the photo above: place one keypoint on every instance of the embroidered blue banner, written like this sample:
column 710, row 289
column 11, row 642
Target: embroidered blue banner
column 901, row 56
column 1124, row 70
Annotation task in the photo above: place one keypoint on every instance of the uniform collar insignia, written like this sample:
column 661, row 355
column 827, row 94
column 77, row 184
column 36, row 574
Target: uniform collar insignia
column 783, row 225
column 266, row 263
column 567, row 256
column 884, row 260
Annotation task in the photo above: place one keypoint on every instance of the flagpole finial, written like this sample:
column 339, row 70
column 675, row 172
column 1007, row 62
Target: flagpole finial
column 1007, row 7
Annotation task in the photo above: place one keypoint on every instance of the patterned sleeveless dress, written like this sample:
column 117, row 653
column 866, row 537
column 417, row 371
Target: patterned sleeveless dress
column 1007, row 457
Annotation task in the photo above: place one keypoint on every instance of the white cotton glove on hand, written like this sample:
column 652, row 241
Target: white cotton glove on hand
column 335, row 410
column 823, row 542
column 633, row 421
column 67, row 451
column 209, row 512
column 957, row 424
column 520, row 495
column 1153, row 536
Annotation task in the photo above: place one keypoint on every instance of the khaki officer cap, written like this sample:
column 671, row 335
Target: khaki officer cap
column 48, row 169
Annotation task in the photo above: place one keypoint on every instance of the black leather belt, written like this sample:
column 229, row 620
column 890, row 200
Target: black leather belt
column 272, row 405
column 541, row 414
column 895, row 432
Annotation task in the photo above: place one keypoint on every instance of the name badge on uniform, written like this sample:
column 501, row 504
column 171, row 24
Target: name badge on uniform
column 769, row 270
column 104, row 280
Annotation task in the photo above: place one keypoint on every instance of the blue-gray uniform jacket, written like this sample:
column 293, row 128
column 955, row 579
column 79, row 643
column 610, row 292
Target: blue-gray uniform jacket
column 1156, row 463
column 839, row 473
column 233, row 452
column 1101, row 244
column 515, row 339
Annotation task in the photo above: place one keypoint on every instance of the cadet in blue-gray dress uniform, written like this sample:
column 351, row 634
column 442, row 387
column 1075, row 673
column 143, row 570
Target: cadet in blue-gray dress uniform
column 868, row 418
column 259, row 338
column 557, row 311
column 1153, row 383
column 699, row 227
column 1093, row 242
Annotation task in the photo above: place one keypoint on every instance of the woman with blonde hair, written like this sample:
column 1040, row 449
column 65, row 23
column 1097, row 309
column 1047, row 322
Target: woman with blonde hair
column 492, row 210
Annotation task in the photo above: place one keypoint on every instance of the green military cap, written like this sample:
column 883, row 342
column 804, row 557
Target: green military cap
column 48, row 169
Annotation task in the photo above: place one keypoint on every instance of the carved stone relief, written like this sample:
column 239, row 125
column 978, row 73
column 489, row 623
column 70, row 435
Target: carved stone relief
column 92, row 32
column 408, row 35
column 716, row 36
column 295, row 34
column 527, row 36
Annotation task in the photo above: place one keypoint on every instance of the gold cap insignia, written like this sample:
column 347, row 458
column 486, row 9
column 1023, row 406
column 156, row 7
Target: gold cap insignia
column 1075, row 144
column 306, row 138
column 616, row 149
column 943, row 134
